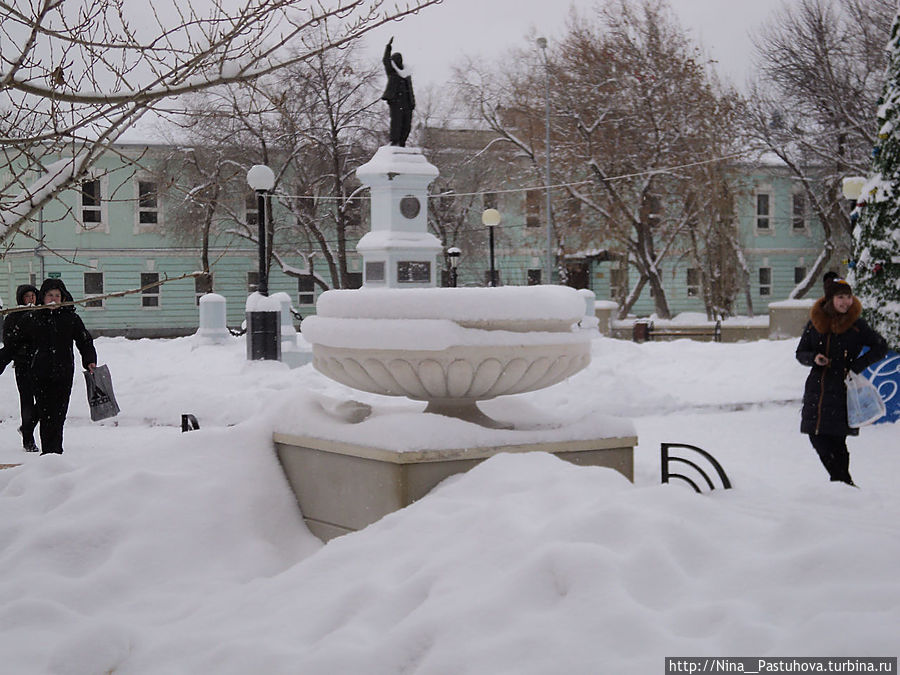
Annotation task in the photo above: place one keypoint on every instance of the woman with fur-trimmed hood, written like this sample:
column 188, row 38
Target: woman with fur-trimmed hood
column 830, row 345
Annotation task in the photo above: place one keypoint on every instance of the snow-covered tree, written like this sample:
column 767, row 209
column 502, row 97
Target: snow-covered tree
column 76, row 74
column 876, row 238
column 635, row 116
column 821, row 65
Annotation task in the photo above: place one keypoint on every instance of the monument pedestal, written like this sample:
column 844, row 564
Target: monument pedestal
column 343, row 486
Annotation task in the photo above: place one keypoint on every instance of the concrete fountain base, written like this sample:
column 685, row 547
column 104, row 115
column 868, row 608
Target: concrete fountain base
column 343, row 485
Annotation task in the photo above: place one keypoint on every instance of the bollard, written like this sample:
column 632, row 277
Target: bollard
column 212, row 320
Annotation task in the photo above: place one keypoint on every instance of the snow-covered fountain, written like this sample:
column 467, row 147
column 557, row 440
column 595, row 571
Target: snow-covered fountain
column 350, row 463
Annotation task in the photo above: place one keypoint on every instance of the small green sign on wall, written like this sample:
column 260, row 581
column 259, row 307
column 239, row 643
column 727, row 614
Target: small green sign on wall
column 54, row 275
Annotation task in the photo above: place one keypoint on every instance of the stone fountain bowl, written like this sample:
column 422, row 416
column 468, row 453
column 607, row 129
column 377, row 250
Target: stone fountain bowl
column 451, row 347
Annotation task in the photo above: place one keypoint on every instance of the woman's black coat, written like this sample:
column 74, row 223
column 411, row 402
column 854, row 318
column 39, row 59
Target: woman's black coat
column 841, row 338
column 49, row 335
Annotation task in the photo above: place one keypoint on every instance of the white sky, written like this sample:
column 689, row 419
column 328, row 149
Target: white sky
column 434, row 40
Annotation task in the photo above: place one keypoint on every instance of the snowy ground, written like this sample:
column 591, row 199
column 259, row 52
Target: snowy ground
column 142, row 550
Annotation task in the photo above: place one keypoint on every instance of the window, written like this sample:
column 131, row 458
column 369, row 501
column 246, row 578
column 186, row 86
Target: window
column 91, row 208
column 306, row 288
column 533, row 208
column 763, row 211
column 413, row 272
column 490, row 200
column 693, row 282
column 799, row 274
column 150, row 296
column 148, row 202
column 251, row 210
column 253, row 281
column 798, row 211
column 93, row 285
column 354, row 280
column 534, row 277
column 487, row 278
column 653, row 208
column 616, row 282
column 573, row 211
column 202, row 285
column 765, row 281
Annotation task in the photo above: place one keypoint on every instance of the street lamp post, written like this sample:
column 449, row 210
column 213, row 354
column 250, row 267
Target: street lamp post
column 261, row 179
column 542, row 45
column 490, row 219
column 263, row 324
column 453, row 254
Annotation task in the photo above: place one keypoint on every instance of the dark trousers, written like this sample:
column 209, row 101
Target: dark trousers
column 401, row 123
column 26, row 405
column 832, row 450
column 52, row 402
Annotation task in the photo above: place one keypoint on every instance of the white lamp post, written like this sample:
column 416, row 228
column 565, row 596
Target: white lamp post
column 542, row 45
column 261, row 179
column 490, row 219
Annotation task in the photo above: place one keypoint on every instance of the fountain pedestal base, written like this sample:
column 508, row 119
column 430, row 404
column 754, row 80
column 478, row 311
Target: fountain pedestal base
column 342, row 487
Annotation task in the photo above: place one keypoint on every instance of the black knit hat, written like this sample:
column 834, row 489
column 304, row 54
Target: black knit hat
column 835, row 286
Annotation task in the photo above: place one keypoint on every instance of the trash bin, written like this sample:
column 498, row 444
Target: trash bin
column 264, row 335
column 640, row 332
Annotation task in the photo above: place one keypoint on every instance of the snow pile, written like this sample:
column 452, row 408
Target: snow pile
column 142, row 550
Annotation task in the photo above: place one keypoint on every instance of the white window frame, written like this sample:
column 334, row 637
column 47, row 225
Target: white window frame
column 306, row 298
column 155, row 293
column 804, row 220
column 103, row 225
column 693, row 289
column 87, row 295
column 139, row 209
column 618, row 281
column 255, row 210
column 769, row 217
column 765, row 289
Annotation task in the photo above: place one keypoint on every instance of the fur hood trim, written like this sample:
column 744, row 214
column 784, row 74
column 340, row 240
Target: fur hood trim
column 823, row 322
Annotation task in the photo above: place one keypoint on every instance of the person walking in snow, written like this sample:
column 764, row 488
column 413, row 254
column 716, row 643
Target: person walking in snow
column 830, row 345
column 49, row 334
column 26, row 296
column 399, row 95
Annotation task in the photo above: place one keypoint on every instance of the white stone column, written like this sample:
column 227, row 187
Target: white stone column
column 399, row 252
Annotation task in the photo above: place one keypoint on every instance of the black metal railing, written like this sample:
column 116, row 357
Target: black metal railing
column 667, row 458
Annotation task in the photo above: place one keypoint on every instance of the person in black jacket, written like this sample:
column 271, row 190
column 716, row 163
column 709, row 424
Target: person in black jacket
column 399, row 95
column 830, row 345
column 50, row 334
column 26, row 296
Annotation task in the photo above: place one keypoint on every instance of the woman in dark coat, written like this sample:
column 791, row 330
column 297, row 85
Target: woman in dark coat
column 50, row 334
column 26, row 296
column 831, row 346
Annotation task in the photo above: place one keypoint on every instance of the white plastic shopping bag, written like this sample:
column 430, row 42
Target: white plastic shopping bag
column 864, row 405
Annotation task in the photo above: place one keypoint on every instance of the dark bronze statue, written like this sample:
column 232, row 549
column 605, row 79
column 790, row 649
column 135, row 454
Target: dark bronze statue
column 399, row 96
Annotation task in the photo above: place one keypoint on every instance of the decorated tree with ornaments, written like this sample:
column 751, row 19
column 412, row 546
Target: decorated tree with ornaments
column 876, row 236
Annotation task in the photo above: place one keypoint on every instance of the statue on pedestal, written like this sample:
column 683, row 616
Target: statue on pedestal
column 399, row 95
